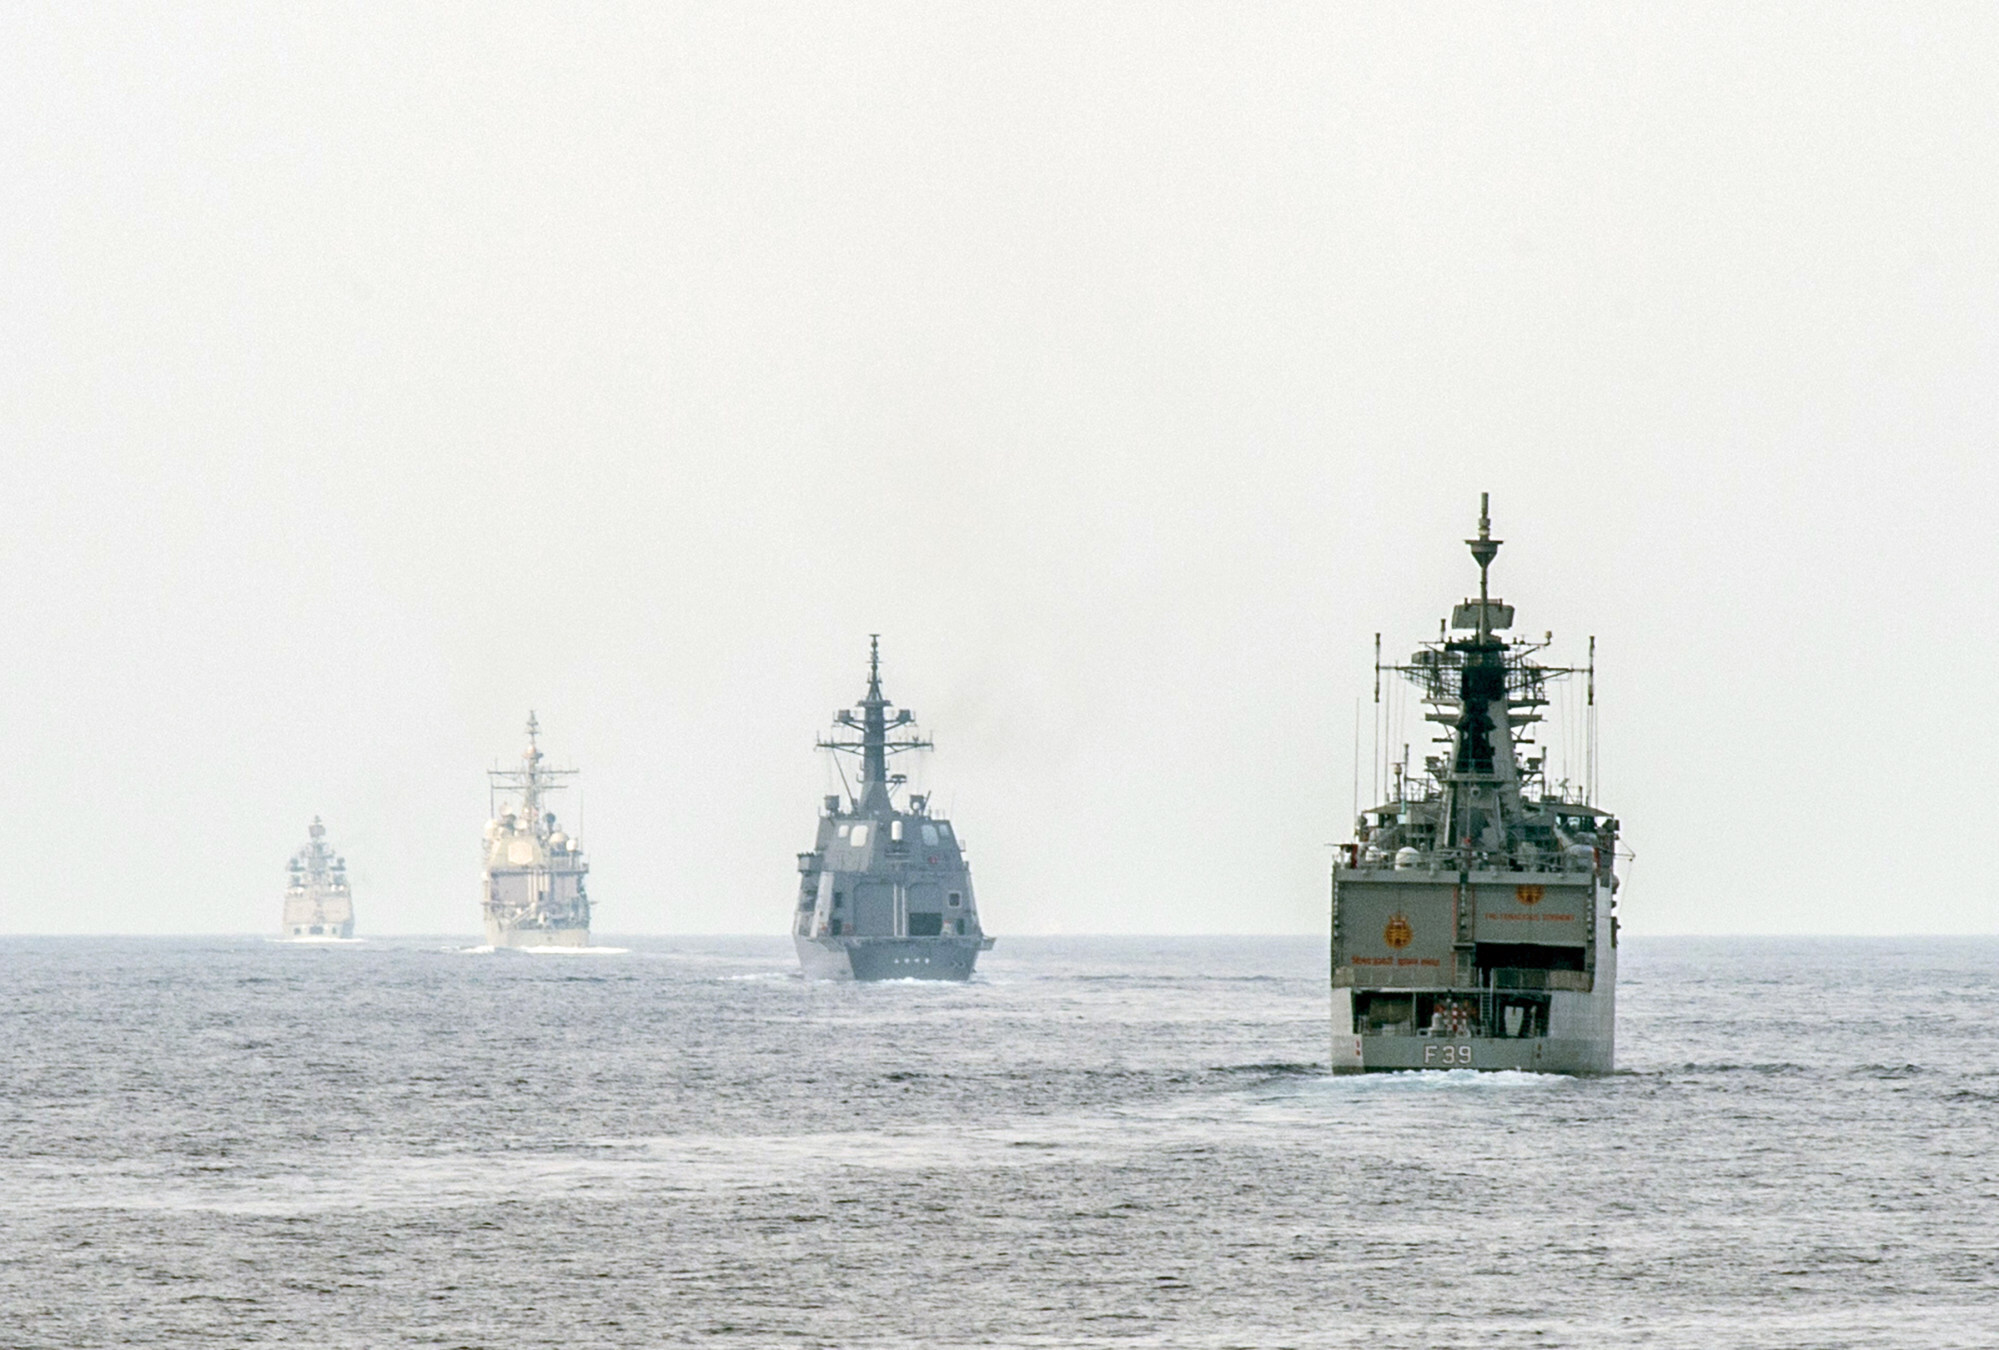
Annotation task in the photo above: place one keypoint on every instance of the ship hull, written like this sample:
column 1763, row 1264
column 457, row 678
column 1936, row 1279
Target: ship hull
column 500, row 935
column 306, row 919
column 890, row 958
column 1563, row 1021
column 335, row 932
column 1485, row 1054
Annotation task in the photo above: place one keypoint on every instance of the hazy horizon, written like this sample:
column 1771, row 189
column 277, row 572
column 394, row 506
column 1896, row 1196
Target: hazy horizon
column 376, row 377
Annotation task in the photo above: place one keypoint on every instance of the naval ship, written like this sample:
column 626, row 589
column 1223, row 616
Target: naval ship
column 318, row 904
column 1473, row 922
column 534, row 871
column 885, row 893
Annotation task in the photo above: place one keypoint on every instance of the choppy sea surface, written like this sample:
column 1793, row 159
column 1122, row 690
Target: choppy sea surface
column 1104, row 1141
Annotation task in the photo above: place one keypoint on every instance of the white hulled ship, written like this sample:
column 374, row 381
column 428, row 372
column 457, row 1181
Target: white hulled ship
column 1473, row 915
column 318, row 905
column 534, row 870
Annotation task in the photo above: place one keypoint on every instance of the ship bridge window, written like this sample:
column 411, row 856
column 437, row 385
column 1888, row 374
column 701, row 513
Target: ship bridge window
column 859, row 836
column 930, row 835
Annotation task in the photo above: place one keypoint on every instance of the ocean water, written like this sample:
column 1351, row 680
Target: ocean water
column 1126, row 1142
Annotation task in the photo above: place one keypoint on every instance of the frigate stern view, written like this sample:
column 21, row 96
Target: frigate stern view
column 1473, row 916
column 318, row 905
column 886, row 892
column 534, row 870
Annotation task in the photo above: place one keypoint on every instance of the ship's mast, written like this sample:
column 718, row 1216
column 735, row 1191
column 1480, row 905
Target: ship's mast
column 531, row 776
column 1482, row 689
column 1486, row 691
column 531, row 780
column 316, row 862
column 874, row 715
column 316, row 849
column 1484, row 549
column 874, row 722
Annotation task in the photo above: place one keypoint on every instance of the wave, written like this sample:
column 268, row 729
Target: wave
column 1273, row 1069
column 1442, row 1080
column 487, row 949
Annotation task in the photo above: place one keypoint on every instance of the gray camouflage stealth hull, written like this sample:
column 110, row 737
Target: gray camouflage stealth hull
column 890, row 958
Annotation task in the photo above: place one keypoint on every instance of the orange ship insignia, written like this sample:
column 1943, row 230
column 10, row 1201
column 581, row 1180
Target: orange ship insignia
column 1398, row 934
column 1528, row 895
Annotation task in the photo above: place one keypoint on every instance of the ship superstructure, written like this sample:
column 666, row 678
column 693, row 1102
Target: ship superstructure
column 318, row 904
column 534, row 869
column 886, row 892
column 1473, row 920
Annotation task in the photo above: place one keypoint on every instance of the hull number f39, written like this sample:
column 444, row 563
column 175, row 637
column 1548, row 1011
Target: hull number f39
column 1448, row 1055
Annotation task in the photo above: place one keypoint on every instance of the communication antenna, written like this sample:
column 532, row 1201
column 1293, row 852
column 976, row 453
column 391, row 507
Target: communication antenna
column 1590, row 715
column 1374, row 760
column 1356, row 759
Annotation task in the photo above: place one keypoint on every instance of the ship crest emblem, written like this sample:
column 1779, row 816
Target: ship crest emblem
column 1528, row 895
column 1398, row 934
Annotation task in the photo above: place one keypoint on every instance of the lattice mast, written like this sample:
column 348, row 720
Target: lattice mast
column 531, row 782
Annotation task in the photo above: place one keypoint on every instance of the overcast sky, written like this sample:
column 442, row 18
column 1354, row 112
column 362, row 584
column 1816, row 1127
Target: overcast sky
column 370, row 375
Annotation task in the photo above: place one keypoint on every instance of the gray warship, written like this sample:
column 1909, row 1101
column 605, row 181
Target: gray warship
column 534, row 870
column 885, row 893
column 318, row 905
column 1473, row 922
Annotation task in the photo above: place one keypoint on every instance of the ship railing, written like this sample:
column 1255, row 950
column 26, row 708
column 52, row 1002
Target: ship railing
column 1389, row 977
column 1505, row 977
column 1449, row 860
column 1502, row 979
